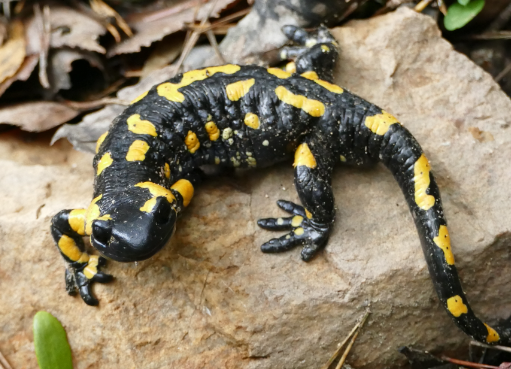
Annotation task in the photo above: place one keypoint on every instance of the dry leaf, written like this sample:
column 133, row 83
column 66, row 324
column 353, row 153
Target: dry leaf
column 153, row 27
column 69, row 28
column 12, row 53
column 37, row 116
column 163, row 54
column 22, row 74
column 84, row 135
column 61, row 65
column 106, row 11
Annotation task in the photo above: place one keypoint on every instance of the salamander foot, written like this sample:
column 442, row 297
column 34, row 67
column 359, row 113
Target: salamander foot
column 80, row 277
column 304, row 231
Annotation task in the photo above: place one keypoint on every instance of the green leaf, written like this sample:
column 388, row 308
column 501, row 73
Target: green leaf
column 458, row 15
column 51, row 347
column 463, row 2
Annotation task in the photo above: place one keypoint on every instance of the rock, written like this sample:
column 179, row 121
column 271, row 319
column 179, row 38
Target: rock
column 213, row 300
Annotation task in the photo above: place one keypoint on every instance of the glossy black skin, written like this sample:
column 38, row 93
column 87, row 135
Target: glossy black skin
column 131, row 235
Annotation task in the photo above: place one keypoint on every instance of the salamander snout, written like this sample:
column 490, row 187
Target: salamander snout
column 132, row 235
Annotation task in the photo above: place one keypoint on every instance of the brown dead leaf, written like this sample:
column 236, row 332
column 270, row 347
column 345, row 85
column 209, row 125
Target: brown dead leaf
column 105, row 11
column 12, row 53
column 163, row 54
column 22, row 74
column 37, row 116
column 154, row 26
column 69, row 28
column 61, row 65
column 84, row 135
column 481, row 136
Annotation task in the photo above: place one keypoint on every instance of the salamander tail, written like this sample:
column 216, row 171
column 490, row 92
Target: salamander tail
column 401, row 153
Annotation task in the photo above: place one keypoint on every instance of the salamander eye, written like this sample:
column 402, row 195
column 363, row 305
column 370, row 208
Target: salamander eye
column 102, row 231
column 162, row 212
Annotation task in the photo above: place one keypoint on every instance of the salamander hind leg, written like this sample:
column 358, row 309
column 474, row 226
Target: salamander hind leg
column 68, row 228
column 315, row 54
column 310, row 224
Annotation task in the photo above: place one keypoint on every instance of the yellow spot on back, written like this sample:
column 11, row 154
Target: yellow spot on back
column 296, row 221
column 140, row 97
column 279, row 73
column 456, row 306
column 252, row 120
column 105, row 161
column 299, row 231
column 310, row 75
column 312, row 107
column 212, row 130
column 185, row 189
column 166, row 170
column 93, row 213
column 148, row 205
column 170, row 90
column 100, row 141
column 76, row 220
column 303, row 156
column 421, row 171
column 105, row 217
column 92, row 267
column 308, row 213
column 380, row 123
column 69, row 248
column 493, row 336
column 141, row 127
column 329, row 86
column 291, row 67
column 156, row 191
column 325, row 48
column 237, row 90
column 192, row 142
column 444, row 242
column 137, row 151
column 343, row 158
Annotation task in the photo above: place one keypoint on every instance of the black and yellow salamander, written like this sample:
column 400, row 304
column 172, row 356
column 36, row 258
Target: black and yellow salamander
column 147, row 165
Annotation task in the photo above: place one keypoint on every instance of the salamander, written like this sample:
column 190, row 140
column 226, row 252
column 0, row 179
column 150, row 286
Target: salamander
column 147, row 165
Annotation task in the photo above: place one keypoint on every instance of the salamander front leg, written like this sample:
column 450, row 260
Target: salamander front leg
column 83, row 269
column 310, row 225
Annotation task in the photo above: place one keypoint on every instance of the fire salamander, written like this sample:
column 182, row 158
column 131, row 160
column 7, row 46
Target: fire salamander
column 147, row 165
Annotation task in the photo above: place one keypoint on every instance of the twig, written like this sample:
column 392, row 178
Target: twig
column 500, row 20
column 469, row 364
column 214, row 25
column 496, row 347
column 421, row 5
column 338, row 351
column 212, row 41
column 4, row 364
column 194, row 37
column 350, row 345
column 501, row 75
column 500, row 35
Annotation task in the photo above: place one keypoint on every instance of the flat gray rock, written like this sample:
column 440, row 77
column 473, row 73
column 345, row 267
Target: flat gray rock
column 213, row 300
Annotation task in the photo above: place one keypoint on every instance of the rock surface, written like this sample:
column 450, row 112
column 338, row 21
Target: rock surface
column 213, row 300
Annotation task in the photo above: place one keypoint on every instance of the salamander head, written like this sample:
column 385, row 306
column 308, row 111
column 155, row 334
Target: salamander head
column 136, row 226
